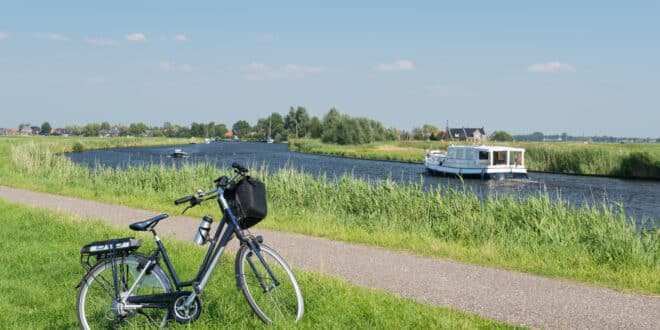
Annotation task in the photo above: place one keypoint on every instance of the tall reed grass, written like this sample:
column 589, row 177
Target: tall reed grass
column 535, row 234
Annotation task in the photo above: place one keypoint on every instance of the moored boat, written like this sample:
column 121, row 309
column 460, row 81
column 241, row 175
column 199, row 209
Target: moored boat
column 178, row 153
column 485, row 162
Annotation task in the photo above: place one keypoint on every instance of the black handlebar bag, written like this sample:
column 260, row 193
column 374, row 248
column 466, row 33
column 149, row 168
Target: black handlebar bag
column 247, row 200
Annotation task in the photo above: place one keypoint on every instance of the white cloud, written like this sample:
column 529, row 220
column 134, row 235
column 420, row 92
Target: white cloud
column 180, row 37
column 137, row 37
column 51, row 36
column 400, row 65
column 551, row 67
column 174, row 67
column 101, row 42
column 4, row 35
column 260, row 71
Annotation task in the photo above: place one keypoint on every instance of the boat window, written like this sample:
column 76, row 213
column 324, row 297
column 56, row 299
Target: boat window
column 499, row 157
column 483, row 155
column 517, row 158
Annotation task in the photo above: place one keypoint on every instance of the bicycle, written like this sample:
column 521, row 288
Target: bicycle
column 125, row 287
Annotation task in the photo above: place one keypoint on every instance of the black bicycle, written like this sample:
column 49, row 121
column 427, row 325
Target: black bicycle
column 125, row 287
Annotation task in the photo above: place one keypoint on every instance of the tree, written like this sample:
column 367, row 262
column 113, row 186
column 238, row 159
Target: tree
column 418, row 133
column 197, row 129
column 105, row 126
column 241, row 129
column 302, row 118
column 429, row 129
column 501, row 136
column 92, row 129
column 220, row 130
column 277, row 127
column 46, row 128
column 315, row 128
column 137, row 129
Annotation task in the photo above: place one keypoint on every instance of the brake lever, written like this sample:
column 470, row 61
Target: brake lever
column 196, row 200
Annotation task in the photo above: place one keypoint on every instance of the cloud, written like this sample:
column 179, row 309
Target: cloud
column 400, row 65
column 51, row 36
column 136, row 37
column 174, row 67
column 4, row 35
column 180, row 37
column 101, row 42
column 260, row 71
column 551, row 67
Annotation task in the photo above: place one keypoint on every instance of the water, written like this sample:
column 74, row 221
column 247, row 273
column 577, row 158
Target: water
column 640, row 198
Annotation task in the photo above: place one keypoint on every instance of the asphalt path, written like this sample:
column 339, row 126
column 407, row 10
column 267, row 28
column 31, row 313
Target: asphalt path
column 508, row 296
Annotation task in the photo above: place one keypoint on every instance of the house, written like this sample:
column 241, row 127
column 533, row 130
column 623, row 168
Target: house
column 26, row 131
column 468, row 134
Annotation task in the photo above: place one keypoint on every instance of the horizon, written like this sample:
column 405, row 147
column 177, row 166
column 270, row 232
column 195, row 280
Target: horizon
column 584, row 69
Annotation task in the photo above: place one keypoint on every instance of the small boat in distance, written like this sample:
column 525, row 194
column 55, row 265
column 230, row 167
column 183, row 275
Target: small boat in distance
column 178, row 153
column 269, row 139
column 485, row 162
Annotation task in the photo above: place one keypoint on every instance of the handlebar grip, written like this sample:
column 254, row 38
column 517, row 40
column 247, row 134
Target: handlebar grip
column 183, row 200
column 239, row 167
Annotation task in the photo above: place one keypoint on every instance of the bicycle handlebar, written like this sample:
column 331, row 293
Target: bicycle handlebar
column 183, row 200
column 221, row 182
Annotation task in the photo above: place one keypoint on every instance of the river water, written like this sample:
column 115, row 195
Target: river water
column 640, row 198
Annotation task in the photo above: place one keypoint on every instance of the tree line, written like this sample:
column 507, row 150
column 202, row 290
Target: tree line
column 333, row 127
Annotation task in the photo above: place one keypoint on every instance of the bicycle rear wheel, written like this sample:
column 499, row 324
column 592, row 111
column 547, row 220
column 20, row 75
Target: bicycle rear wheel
column 98, row 307
column 280, row 302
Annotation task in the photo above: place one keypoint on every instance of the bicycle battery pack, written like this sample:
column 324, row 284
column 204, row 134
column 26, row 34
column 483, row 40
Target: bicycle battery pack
column 118, row 245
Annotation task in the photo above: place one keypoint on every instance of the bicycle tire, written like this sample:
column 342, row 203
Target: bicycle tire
column 282, row 304
column 96, row 303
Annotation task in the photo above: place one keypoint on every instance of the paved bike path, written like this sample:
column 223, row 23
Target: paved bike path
column 508, row 296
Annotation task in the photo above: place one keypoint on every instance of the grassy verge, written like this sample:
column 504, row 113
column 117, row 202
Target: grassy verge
column 39, row 256
column 536, row 235
column 609, row 159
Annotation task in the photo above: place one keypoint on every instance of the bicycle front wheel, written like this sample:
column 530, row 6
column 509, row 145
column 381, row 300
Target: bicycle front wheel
column 99, row 308
column 274, row 296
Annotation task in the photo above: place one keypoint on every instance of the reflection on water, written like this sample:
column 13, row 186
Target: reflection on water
column 639, row 198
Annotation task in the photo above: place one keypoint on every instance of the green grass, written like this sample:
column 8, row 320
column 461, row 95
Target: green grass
column 39, row 265
column 535, row 234
column 608, row 159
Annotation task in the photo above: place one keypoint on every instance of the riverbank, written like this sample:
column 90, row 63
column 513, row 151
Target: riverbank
column 636, row 161
column 595, row 245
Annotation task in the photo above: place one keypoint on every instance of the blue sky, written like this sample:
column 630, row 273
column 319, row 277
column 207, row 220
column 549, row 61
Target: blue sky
column 580, row 67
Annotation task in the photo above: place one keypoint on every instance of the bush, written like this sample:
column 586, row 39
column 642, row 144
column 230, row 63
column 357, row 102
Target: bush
column 78, row 147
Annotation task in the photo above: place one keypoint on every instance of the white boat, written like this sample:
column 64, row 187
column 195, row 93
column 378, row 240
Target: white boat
column 269, row 139
column 178, row 153
column 485, row 162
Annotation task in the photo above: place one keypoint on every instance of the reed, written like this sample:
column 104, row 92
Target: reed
column 536, row 234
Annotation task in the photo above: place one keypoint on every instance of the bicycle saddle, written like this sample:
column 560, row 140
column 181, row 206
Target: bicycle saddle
column 147, row 224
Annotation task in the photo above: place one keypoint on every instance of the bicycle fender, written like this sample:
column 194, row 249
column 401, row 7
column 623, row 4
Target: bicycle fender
column 237, row 262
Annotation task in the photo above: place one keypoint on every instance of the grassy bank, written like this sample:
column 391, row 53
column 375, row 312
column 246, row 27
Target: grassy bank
column 609, row 159
column 39, row 264
column 536, row 235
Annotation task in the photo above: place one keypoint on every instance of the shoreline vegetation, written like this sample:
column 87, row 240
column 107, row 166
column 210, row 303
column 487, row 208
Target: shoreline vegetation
column 633, row 160
column 596, row 245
